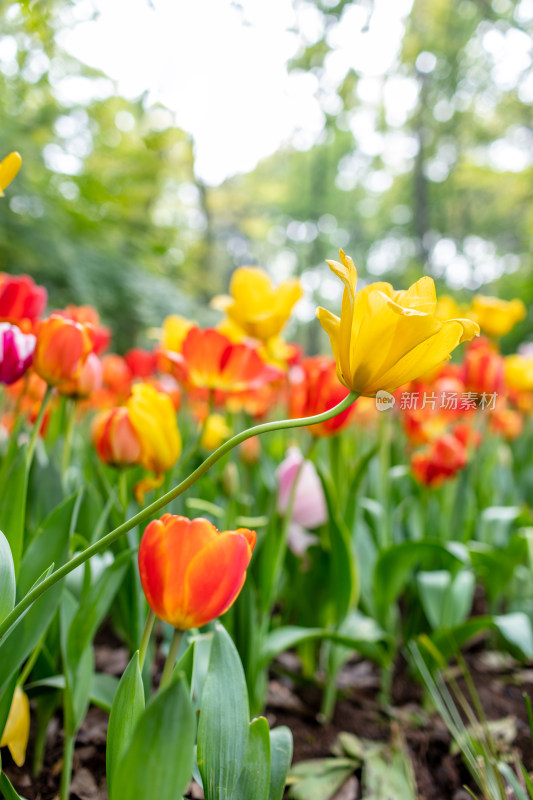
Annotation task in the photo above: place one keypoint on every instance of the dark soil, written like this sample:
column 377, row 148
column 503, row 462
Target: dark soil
column 500, row 684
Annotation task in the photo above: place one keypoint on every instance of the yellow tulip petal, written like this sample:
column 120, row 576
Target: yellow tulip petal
column 331, row 324
column 154, row 420
column 17, row 730
column 470, row 329
column 420, row 296
column 387, row 332
column 422, row 358
column 250, row 284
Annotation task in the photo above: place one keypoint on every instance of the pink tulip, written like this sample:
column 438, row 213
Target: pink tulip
column 16, row 352
column 309, row 507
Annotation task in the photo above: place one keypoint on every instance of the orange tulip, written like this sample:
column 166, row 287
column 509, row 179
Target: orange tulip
column 315, row 388
column 61, row 350
column 209, row 360
column 115, row 439
column 90, row 318
column 508, row 422
column 191, row 573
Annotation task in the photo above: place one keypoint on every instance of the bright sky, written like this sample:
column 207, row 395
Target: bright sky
column 221, row 66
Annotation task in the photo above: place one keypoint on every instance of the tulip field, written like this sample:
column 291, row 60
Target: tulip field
column 232, row 570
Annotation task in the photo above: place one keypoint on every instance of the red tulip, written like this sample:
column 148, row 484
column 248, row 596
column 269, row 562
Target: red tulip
column 315, row 388
column 483, row 368
column 190, row 572
column 446, row 456
column 142, row 363
column 21, row 300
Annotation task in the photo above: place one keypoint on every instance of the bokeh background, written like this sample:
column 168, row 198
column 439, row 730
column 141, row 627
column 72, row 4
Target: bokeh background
column 166, row 142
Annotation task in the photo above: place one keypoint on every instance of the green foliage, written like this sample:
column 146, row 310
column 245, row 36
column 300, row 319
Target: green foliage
column 224, row 718
column 7, row 578
column 157, row 763
column 126, row 710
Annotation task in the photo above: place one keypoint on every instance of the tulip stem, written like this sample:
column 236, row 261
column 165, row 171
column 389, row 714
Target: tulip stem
column 147, row 512
column 172, row 657
column 150, row 619
column 384, row 464
column 67, row 442
column 66, row 772
column 37, row 426
column 284, row 532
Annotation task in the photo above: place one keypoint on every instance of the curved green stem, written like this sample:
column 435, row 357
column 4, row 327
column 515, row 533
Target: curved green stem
column 67, row 442
column 147, row 512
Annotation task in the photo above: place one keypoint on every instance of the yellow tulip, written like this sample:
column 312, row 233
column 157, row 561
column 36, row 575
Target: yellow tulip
column 385, row 338
column 175, row 329
column 519, row 373
column 17, row 730
column 497, row 317
column 8, row 169
column 154, row 420
column 215, row 432
column 258, row 308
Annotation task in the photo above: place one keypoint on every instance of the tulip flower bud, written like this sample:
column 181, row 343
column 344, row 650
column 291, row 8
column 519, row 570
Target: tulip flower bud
column 191, row 573
column 250, row 450
column 215, row 432
column 115, row 439
column 61, row 350
column 309, row 505
column 230, row 479
column 16, row 352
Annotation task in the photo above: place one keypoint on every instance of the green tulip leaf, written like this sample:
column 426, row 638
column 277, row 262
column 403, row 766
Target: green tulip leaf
column 7, row 578
column 127, row 708
column 157, row 764
column 224, row 720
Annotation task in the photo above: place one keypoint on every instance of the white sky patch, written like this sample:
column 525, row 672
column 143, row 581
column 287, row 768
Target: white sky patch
column 221, row 66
